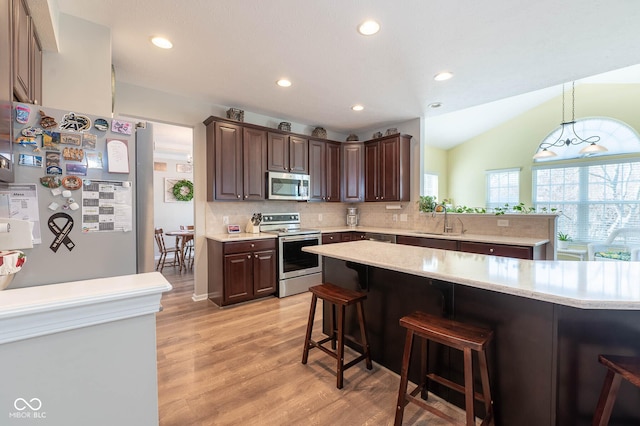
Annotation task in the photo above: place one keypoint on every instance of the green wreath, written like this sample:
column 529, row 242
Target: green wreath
column 183, row 190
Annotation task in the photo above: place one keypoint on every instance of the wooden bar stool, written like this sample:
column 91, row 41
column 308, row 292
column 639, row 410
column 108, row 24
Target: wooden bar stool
column 341, row 298
column 619, row 367
column 464, row 337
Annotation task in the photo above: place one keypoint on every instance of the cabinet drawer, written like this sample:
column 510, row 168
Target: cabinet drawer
column 332, row 237
column 249, row 245
column 427, row 242
column 518, row 252
column 352, row 236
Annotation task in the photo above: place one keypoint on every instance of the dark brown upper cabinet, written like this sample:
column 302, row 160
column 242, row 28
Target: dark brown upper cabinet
column 386, row 168
column 287, row 153
column 324, row 170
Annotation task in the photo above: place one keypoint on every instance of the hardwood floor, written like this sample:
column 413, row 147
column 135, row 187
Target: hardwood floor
column 242, row 366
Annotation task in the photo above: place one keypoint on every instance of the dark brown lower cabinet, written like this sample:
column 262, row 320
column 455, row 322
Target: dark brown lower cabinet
column 504, row 250
column 241, row 270
column 427, row 242
column 519, row 252
column 340, row 237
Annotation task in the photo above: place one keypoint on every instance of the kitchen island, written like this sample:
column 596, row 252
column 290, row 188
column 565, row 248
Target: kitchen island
column 551, row 319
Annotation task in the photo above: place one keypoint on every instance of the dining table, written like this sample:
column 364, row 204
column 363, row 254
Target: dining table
column 183, row 236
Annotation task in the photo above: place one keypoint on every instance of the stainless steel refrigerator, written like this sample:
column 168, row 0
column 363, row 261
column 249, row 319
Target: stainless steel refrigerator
column 103, row 225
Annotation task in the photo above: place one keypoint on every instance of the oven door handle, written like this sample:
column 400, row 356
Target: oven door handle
column 304, row 237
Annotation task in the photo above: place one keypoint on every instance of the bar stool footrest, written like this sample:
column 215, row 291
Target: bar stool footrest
column 453, row 385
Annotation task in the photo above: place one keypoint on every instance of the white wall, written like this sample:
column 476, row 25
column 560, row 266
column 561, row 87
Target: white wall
column 78, row 78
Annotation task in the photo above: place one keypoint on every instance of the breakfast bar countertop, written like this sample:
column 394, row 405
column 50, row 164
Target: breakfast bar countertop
column 578, row 284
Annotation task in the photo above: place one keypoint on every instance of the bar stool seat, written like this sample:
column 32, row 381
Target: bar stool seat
column 619, row 367
column 457, row 335
column 341, row 298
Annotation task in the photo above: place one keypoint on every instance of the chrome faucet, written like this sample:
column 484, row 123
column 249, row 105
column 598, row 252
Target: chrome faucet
column 447, row 227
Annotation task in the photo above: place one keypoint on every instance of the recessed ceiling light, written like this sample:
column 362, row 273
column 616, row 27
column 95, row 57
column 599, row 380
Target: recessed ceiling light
column 442, row 76
column 435, row 105
column 283, row 82
column 161, row 42
column 369, row 28
column 357, row 107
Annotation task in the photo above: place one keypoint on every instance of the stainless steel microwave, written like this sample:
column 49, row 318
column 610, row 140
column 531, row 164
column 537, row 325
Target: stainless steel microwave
column 287, row 186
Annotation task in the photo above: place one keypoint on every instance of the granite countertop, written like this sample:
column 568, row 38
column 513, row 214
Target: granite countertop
column 492, row 239
column 579, row 284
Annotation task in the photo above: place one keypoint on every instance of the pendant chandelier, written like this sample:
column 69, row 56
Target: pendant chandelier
column 568, row 135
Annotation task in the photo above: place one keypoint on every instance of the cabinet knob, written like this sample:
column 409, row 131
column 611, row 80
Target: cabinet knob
column 490, row 250
column 256, row 256
column 246, row 196
column 248, row 256
column 252, row 245
column 238, row 195
column 331, row 238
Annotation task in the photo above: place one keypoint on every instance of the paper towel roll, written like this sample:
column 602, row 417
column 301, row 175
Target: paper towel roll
column 4, row 228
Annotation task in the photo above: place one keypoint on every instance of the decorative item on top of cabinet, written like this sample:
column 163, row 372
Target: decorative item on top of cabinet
column 324, row 170
column 376, row 135
column 352, row 138
column 285, row 126
column 386, row 168
column 235, row 114
column 319, row 132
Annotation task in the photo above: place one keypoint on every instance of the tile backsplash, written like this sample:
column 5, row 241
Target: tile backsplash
column 398, row 215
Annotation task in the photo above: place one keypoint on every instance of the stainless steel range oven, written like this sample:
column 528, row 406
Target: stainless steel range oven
column 297, row 270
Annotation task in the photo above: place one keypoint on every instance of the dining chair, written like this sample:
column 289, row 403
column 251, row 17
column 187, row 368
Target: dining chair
column 177, row 261
column 188, row 247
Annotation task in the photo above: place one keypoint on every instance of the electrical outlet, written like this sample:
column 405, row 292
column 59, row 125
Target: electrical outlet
column 225, row 220
column 319, row 217
column 503, row 222
column 395, row 217
column 403, row 217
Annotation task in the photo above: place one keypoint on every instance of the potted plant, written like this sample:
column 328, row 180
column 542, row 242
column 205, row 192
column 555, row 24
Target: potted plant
column 427, row 203
column 563, row 240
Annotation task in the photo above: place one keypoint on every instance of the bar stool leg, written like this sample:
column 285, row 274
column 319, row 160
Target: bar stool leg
column 468, row 386
column 312, row 314
column 332, row 325
column 424, row 368
column 486, row 390
column 340, row 349
column 404, row 379
column 607, row 398
column 363, row 336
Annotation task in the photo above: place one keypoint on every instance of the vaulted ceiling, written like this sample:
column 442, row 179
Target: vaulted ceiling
column 232, row 52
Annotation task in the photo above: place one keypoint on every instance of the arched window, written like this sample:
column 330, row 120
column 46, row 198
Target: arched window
column 596, row 195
